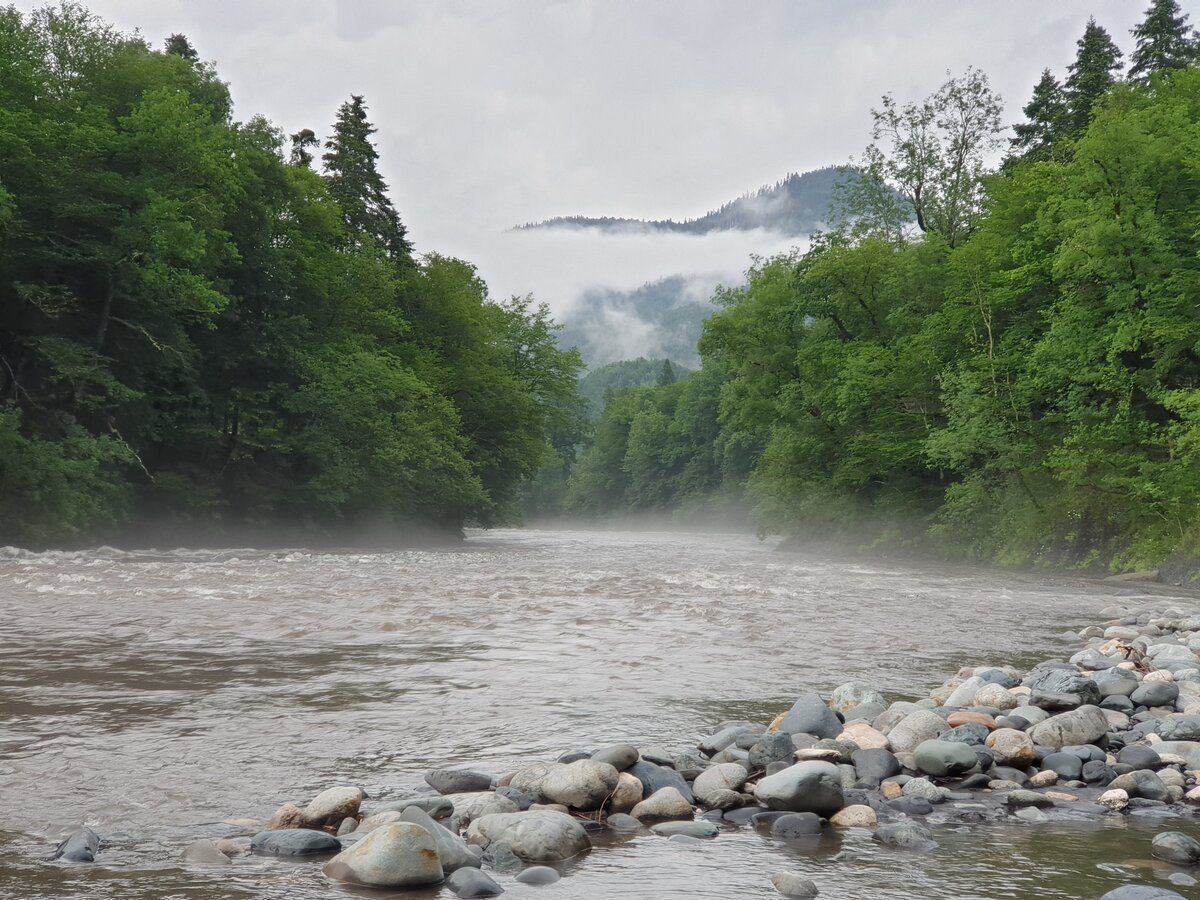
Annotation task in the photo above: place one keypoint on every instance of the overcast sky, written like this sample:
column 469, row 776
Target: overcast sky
column 494, row 113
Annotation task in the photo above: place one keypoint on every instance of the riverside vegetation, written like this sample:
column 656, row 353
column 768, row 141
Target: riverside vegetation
column 1113, row 732
column 1001, row 366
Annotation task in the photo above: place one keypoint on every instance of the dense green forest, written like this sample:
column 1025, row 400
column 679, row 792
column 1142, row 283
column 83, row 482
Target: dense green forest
column 999, row 365
column 202, row 335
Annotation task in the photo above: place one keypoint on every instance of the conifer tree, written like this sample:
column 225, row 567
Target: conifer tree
column 667, row 375
column 179, row 45
column 1046, row 113
column 355, row 182
column 301, row 141
column 1164, row 40
column 1097, row 64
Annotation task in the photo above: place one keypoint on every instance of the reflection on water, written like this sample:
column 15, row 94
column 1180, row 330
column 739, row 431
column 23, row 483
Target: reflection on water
column 154, row 695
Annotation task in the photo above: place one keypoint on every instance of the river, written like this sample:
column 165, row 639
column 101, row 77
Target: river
column 154, row 695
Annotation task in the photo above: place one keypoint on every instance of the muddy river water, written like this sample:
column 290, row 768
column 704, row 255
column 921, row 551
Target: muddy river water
column 155, row 695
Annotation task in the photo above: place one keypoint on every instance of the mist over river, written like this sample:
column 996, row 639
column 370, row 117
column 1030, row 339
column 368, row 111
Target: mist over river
column 154, row 695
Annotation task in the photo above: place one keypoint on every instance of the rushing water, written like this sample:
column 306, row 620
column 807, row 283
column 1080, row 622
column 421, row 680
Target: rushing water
column 153, row 696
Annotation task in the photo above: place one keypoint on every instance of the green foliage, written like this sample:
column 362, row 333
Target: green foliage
column 1095, row 69
column 596, row 385
column 1164, row 41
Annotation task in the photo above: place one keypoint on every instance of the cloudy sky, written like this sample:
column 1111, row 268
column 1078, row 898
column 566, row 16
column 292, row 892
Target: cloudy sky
column 494, row 113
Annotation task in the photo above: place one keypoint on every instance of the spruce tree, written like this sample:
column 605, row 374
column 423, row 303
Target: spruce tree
column 179, row 45
column 355, row 182
column 1164, row 40
column 667, row 374
column 1097, row 63
column 1046, row 113
column 301, row 141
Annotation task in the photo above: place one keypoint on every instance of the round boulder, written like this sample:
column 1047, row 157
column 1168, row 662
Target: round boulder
column 400, row 855
column 943, row 758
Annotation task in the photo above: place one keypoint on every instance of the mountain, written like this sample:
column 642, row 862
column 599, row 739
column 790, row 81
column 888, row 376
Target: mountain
column 797, row 205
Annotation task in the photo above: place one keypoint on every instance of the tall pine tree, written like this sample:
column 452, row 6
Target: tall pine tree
column 1164, row 40
column 356, row 185
column 1097, row 63
column 1046, row 113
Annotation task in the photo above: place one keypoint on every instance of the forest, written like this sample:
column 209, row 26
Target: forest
column 994, row 355
column 210, row 330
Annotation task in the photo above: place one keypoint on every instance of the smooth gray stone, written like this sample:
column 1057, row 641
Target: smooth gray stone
column 654, row 778
column 1067, row 766
column 1179, row 728
column 452, row 850
column 971, row 733
column 875, row 765
column 523, row 800
column 774, row 746
column 473, row 883
column 1141, row 892
column 80, row 846
column 1116, row 683
column 569, row 756
column 294, row 842
column 911, row 806
column 810, row 715
column 538, row 875
column 1027, row 798
column 1155, row 693
column 1176, row 847
column 906, row 835
column 458, row 781
column 795, row 825
column 1140, row 757
column 1097, row 772
column 941, row 758
column 691, row 829
column 805, row 787
column 437, row 806
column 623, row 822
column 739, row 816
column 619, row 756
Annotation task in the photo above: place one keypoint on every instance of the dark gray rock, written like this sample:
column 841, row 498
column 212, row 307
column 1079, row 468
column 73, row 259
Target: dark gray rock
column 654, row 778
column 1118, row 703
column 1067, row 766
column 1140, row 757
column 1055, row 702
column 1019, row 723
column 742, row 815
column 1176, row 847
column 796, row 825
column 1085, row 752
column 774, row 746
column 911, row 806
column 805, row 787
column 906, row 835
column 1155, row 693
column 810, row 715
column 458, row 781
column 875, row 764
column 972, row 733
column 942, row 758
column 766, row 819
column 81, row 846
column 523, row 800
column 623, row 822
column 569, row 756
column 866, row 711
column 473, row 883
column 1142, row 783
column 499, row 855
column 538, row 875
column 619, row 756
column 1178, row 728
column 1097, row 772
column 294, row 842
column 1063, row 681
column 997, row 676
column 1008, row 773
column 1116, row 683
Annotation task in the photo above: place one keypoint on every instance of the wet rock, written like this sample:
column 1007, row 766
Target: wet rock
column 1022, row 798
column 796, row 825
column 1140, row 757
column 528, row 780
column 923, row 788
column 520, row 798
column 623, row 822
column 331, row 806
column 857, row 816
column 473, row 883
column 584, row 784
column 1010, row 747
column 81, row 846
column 294, row 842
column 1175, row 847
column 943, row 758
column 533, row 836
column 538, row 875
column 627, row 795
column 915, row 728
column 1142, row 783
column 1085, row 725
column 469, row 807
column 689, row 829
column 810, row 715
column 370, row 823
column 1048, row 777
column 452, row 850
column 722, row 800
column 287, row 816
column 458, row 781
column 789, row 884
column 724, row 777
column 911, row 806
column 1066, row 766
column 399, row 855
column 204, row 853
column 436, row 805
column 906, row 835
column 655, row 778
column 1179, row 728
column 665, row 803
column 619, row 756
column 805, row 787
column 1155, row 693
column 847, row 697
column 1141, row 892
column 1114, row 799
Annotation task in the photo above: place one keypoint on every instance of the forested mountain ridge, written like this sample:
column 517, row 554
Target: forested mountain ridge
column 997, row 365
column 796, row 205
column 204, row 338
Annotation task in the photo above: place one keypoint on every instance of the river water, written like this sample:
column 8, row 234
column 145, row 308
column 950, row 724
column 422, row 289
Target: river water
column 155, row 695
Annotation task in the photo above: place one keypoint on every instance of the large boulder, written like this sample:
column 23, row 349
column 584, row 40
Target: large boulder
column 528, row 780
column 584, row 784
column 942, row 758
column 81, row 846
column 805, row 787
column 915, row 728
column 452, row 850
column 534, row 836
column 654, row 778
column 1176, row 847
column 810, row 715
column 331, row 806
column 401, row 855
column 1085, row 725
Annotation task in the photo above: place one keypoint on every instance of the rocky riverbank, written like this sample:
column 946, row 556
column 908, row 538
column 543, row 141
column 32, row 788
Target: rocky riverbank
column 1113, row 731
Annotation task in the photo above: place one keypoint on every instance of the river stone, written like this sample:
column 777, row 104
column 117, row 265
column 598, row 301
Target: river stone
column 1179, row 728
column 1114, row 799
column 295, row 842
column 1010, row 747
column 528, row 780
column 1140, row 757
column 331, row 806
column 1066, row 766
column 726, row 737
column 913, row 729
column 964, row 695
column 468, row 807
column 436, row 805
column 370, row 823
column 452, row 850
column 863, row 736
column 623, row 822
column 538, row 875
column 1175, row 847
column 796, row 825
column 473, row 883
column 805, row 787
column 523, row 800
column 810, row 715
column 458, row 781
column 875, row 765
column 1116, row 683
column 1063, row 681
column 1142, row 783
column 724, row 777
column 972, row 734
column 1141, row 892
column 689, row 829
column 1155, row 693
column 80, row 846
column 942, row 758
column 1081, row 726
column 790, row 884
column 774, row 746
column 584, row 784
column 619, row 756
column 541, row 836
column 287, row 816
column 399, row 855
column 867, row 712
column 627, row 795
column 655, row 778
column 847, row 697
column 906, row 835
column 857, row 816
column 204, row 853
column 665, row 803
